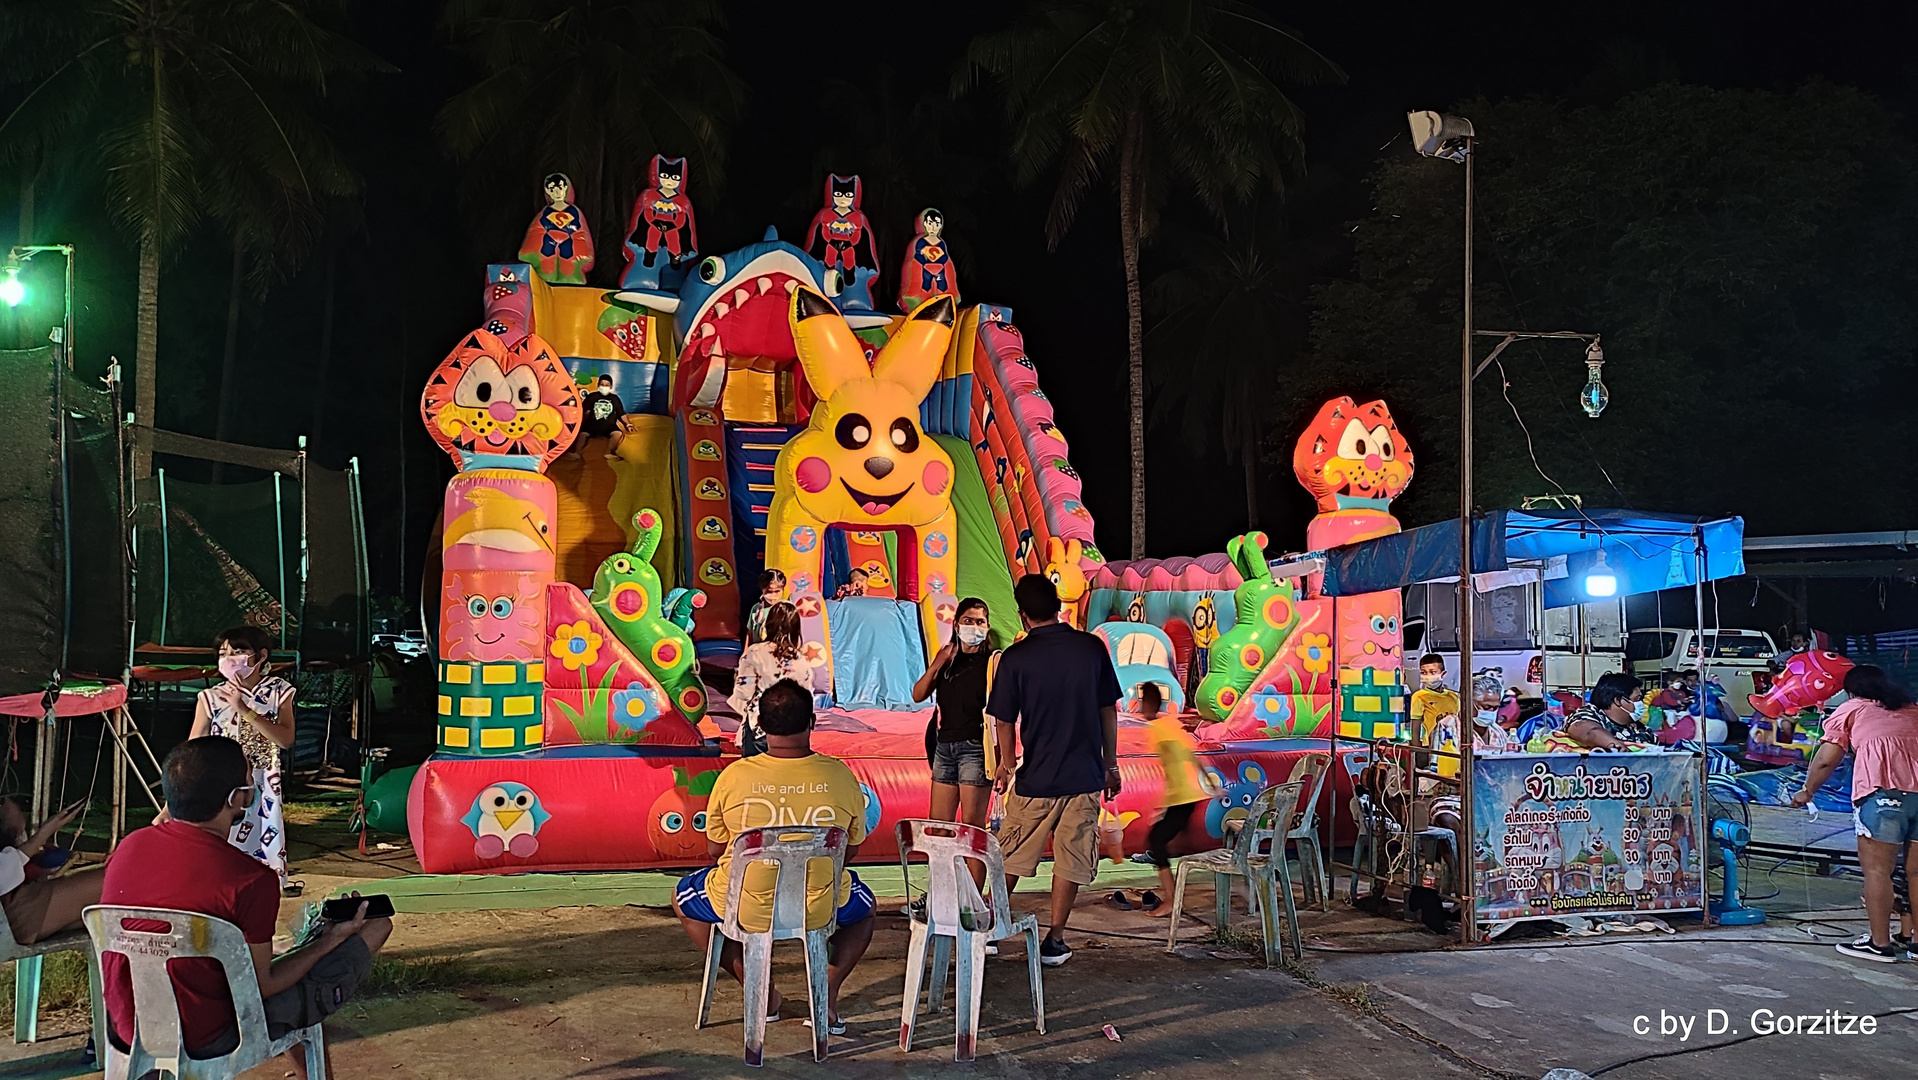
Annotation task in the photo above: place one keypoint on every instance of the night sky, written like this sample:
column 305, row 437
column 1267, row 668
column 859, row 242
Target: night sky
column 409, row 270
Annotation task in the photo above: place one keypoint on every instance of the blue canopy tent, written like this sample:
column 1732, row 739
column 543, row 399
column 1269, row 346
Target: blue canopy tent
column 1640, row 552
column 1579, row 555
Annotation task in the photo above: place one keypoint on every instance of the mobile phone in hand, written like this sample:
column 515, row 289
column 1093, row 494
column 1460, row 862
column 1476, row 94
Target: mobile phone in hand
column 342, row 908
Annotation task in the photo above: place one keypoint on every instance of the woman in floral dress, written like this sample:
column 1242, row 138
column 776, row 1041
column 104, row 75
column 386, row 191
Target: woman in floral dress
column 255, row 710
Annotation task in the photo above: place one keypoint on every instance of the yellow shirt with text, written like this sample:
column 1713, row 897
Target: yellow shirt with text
column 766, row 791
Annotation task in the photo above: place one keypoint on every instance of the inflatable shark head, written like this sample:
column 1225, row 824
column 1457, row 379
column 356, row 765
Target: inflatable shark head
column 735, row 305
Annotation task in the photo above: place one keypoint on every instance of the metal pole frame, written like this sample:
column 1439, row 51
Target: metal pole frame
column 279, row 552
column 166, row 555
column 300, row 647
column 1703, row 843
column 1467, row 853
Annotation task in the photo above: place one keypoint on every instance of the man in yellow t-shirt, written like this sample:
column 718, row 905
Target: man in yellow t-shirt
column 788, row 785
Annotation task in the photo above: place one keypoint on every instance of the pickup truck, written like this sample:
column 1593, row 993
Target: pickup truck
column 1738, row 659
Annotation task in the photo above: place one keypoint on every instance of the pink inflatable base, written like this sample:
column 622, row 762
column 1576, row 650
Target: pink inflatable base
column 597, row 808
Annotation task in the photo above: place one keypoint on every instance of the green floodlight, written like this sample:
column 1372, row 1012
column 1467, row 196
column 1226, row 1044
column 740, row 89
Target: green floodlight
column 12, row 290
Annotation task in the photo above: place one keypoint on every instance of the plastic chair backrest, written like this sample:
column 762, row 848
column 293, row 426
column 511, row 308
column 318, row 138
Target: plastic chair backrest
column 1356, row 761
column 10, row 946
column 147, row 951
column 1311, row 768
column 953, row 902
column 1271, row 814
column 791, row 850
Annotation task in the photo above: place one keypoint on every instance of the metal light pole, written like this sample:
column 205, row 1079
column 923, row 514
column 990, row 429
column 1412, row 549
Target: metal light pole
column 17, row 260
column 1452, row 138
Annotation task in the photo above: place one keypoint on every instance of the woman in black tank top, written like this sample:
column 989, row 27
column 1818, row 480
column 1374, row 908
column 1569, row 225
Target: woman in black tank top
column 955, row 737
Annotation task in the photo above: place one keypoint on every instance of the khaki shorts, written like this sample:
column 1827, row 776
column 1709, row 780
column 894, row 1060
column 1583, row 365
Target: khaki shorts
column 1071, row 822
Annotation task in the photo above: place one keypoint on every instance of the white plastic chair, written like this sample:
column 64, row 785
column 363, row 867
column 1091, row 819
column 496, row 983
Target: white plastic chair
column 26, row 976
column 791, row 851
column 1257, row 854
column 955, row 918
column 1311, row 768
column 156, row 1039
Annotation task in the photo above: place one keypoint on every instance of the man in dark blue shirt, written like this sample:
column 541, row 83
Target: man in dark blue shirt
column 1058, row 685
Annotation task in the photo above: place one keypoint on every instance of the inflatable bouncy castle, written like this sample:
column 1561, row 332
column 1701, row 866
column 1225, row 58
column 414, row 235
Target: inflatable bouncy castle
column 629, row 460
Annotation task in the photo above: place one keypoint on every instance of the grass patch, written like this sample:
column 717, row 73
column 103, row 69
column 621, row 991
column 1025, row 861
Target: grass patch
column 399, row 976
column 309, row 813
column 63, row 979
column 63, row 984
column 1248, row 938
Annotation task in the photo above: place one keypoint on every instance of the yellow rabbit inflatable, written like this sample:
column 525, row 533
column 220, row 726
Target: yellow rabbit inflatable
column 863, row 463
column 1062, row 566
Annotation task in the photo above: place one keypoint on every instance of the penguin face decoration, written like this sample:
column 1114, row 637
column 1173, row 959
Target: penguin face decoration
column 488, row 400
column 507, row 817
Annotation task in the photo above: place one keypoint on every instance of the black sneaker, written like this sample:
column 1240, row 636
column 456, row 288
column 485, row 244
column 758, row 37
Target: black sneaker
column 1862, row 948
column 1053, row 952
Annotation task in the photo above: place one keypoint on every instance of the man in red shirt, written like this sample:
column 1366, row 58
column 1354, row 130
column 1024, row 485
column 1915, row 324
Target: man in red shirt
column 185, row 863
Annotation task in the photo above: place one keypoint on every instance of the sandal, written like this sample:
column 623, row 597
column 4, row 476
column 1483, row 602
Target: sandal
column 1149, row 900
column 833, row 1027
column 1119, row 901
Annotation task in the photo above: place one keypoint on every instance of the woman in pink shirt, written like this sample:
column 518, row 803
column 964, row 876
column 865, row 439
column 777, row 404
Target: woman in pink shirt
column 1879, row 725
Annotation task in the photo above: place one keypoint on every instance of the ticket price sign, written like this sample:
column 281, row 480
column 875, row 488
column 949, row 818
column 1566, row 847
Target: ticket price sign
column 1576, row 834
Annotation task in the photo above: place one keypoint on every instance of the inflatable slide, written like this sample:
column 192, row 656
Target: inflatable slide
column 590, row 600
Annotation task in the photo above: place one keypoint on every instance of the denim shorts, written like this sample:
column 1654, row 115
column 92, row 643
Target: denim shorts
column 961, row 763
column 695, row 904
column 1889, row 816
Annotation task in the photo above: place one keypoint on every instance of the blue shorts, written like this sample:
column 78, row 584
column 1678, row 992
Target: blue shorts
column 1889, row 816
column 693, row 902
column 960, row 763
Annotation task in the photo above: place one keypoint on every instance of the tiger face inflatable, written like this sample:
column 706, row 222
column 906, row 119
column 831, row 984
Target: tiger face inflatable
column 1353, row 457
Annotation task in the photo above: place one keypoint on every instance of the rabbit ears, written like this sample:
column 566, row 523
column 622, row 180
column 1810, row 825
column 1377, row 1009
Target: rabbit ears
column 832, row 356
column 1248, row 552
column 1062, row 553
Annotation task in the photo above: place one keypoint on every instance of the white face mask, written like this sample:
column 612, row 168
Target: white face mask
column 1638, row 710
column 1487, row 717
column 971, row 635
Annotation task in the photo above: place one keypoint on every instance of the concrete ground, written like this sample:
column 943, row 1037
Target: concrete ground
column 609, row 992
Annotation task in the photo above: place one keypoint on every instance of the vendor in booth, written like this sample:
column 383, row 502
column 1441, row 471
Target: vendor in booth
column 1614, row 719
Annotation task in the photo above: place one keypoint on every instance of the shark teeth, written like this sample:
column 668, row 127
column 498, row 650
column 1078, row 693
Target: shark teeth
column 721, row 310
column 740, row 296
column 706, row 330
column 765, row 285
column 792, row 286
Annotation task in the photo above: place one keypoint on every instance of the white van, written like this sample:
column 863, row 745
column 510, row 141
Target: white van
column 1557, row 648
column 1739, row 659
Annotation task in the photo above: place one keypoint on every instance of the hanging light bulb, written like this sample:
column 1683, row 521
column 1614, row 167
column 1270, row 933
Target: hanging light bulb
column 1594, row 397
column 12, row 290
column 1599, row 580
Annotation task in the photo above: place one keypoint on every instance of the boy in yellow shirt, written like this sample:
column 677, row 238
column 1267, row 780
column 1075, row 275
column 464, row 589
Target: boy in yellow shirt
column 1434, row 712
column 788, row 785
column 1187, row 788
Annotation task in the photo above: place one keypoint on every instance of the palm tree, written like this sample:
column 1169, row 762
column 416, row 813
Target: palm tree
column 1176, row 93
column 173, row 99
column 1238, row 302
column 590, row 88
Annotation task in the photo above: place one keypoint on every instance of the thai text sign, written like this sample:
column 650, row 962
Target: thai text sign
column 1569, row 834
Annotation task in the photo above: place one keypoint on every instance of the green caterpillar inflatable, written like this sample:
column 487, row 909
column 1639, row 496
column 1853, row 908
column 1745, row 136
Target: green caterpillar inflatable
column 628, row 596
column 1265, row 616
